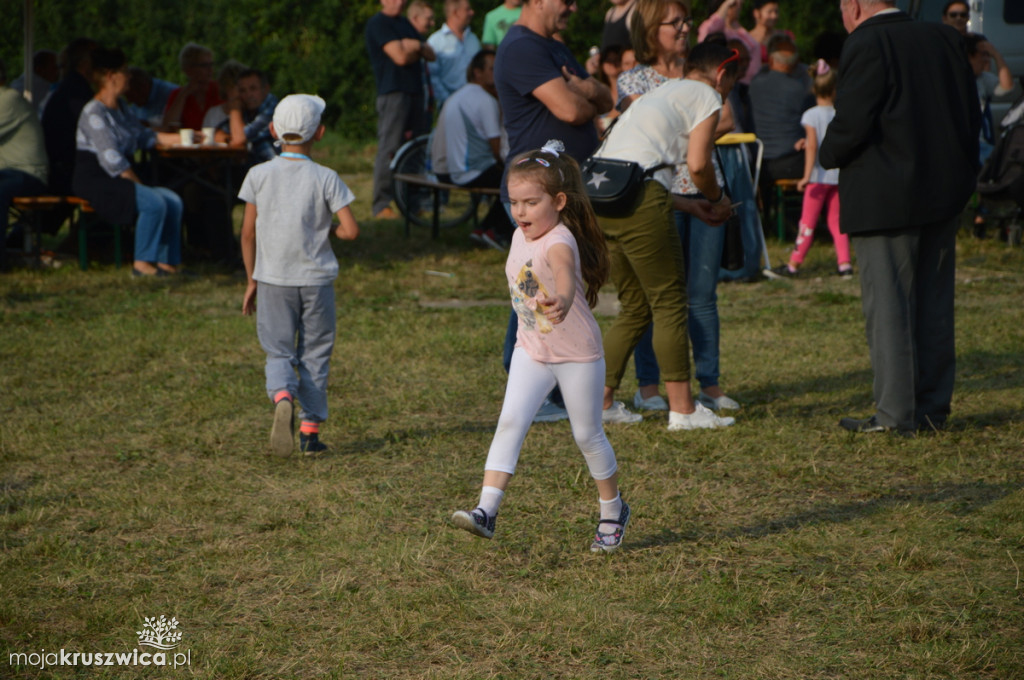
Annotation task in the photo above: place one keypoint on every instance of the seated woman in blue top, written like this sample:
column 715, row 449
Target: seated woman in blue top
column 107, row 138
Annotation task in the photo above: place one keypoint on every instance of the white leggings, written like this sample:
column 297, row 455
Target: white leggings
column 529, row 382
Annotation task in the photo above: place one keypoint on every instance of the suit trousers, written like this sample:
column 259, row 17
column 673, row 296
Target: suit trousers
column 907, row 279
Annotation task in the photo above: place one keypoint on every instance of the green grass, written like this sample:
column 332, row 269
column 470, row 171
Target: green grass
column 134, row 482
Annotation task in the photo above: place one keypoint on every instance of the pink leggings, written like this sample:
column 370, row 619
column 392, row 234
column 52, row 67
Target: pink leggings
column 815, row 198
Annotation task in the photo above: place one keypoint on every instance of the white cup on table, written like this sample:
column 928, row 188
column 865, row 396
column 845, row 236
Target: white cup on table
column 188, row 137
column 208, row 133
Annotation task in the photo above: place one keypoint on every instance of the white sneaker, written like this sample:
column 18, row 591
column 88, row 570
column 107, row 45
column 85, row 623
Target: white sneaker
column 550, row 412
column 701, row 419
column 655, row 403
column 618, row 413
column 718, row 403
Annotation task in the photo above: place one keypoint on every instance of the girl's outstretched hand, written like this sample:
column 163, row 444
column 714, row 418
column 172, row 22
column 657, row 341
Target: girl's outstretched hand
column 555, row 308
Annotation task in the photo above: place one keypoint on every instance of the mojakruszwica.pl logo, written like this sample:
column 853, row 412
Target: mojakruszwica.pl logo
column 159, row 634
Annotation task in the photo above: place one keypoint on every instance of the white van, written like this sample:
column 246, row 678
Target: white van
column 1001, row 21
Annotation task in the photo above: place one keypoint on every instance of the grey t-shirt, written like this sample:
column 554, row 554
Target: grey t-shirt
column 294, row 201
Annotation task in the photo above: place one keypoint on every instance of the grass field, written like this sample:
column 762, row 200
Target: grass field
column 134, row 483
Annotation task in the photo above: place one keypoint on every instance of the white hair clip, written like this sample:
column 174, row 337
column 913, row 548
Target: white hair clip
column 553, row 147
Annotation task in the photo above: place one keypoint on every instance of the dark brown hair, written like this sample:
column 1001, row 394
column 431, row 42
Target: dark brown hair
column 560, row 173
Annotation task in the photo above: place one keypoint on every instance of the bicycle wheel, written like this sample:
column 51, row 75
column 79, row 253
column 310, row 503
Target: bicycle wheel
column 415, row 202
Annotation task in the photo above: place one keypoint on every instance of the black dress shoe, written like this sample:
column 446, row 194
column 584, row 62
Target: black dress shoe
column 866, row 425
column 863, row 425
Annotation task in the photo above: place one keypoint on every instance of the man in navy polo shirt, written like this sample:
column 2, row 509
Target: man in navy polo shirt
column 396, row 52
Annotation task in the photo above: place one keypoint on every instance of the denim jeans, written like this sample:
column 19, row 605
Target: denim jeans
column 702, row 248
column 158, row 227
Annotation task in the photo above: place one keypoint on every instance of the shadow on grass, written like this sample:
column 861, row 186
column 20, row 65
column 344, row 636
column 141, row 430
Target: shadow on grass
column 396, row 441
column 977, row 371
column 961, row 499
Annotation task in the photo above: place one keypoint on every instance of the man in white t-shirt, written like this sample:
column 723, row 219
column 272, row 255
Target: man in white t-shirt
column 466, row 148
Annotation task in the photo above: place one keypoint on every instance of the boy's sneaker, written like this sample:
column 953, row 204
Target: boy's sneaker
column 550, row 412
column 655, row 403
column 702, row 418
column 282, row 434
column 618, row 413
column 475, row 522
column 310, row 444
column 610, row 542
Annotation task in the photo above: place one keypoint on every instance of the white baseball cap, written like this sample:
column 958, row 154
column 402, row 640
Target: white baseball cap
column 298, row 114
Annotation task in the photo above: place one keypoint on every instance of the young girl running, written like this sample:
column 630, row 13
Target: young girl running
column 820, row 186
column 556, row 265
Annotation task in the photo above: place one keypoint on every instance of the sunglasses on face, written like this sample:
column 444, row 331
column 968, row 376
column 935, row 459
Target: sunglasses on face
column 958, row 15
column 679, row 23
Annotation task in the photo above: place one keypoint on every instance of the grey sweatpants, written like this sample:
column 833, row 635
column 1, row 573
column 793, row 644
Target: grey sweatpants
column 296, row 328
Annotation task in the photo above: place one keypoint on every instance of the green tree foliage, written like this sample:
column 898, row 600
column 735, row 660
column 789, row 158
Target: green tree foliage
column 305, row 45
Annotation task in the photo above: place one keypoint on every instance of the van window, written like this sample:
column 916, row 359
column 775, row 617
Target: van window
column 1013, row 12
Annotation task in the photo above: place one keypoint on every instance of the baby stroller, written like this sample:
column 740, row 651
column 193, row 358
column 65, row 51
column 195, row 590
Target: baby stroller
column 1001, row 183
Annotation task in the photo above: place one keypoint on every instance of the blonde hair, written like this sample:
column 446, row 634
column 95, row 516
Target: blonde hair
column 558, row 173
column 823, row 84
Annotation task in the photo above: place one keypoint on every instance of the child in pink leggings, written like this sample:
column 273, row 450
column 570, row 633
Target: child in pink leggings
column 820, row 186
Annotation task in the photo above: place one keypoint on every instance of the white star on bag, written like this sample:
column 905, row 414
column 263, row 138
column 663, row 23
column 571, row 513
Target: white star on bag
column 597, row 179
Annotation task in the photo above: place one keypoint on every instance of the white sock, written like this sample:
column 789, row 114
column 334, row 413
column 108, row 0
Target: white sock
column 490, row 500
column 610, row 510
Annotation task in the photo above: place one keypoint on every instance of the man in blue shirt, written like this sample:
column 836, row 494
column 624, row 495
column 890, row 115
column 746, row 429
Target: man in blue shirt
column 545, row 94
column 253, row 121
column 455, row 45
column 148, row 96
column 396, row 52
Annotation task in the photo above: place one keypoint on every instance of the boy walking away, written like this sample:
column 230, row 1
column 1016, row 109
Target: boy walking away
column 288, row 257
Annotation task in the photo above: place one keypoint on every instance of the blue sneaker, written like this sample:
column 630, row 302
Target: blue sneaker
column 475, row 522
column 550, row 412
column 610, row 542
column 310, row 444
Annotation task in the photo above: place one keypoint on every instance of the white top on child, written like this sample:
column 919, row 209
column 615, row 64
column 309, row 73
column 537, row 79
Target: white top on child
column 295, row 201
column 578, row 337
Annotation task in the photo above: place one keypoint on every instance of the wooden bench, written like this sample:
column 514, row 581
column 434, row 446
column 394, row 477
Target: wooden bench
column 35, row 205
column 785, row 192
column 83, row 232
column 436, row 188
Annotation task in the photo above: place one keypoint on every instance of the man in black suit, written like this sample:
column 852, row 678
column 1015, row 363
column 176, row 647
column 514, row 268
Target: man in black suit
column 905, row 137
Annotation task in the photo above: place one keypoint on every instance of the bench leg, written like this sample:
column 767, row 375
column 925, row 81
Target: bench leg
column 83, row 253
column 117, row 246
column 780, row 213
column 435, row 229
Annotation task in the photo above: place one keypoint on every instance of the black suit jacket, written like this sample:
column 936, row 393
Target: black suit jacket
column 905, row 134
